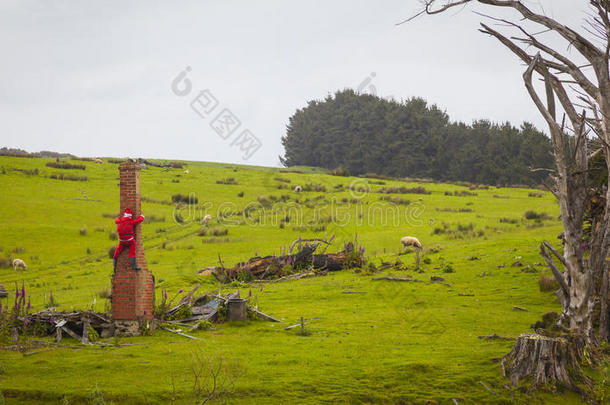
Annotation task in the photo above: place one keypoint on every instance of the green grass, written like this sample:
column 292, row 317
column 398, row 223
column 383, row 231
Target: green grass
column 387, row 343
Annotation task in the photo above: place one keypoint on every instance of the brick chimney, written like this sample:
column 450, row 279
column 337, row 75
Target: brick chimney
column 132, row 291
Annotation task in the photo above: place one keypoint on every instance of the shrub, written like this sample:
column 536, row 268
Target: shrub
column 530, row 214
column 220, row 231
column 228, row 181
column 547, row 283
column 340, row 171
column 395, row 200
column 461, row 193
column 215, row 240
column 27, row 172
column 537, row 195
column 264, row 201
column 448, row 269
column 112, row 235
column 455, row 209
column 314, row 187
column 186, row 199
column 404, row 190
column 240, row 194
column 111, row 251
column 283, row 180
column 61, row 176
column 83, row 231
column 501, row 196
column 175, row 165
column 505, row 220
column 65, row 165
column 6, row 262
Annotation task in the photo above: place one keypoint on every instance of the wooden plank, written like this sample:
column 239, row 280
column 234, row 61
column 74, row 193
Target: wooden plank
column 264, row 316
column 178, row 333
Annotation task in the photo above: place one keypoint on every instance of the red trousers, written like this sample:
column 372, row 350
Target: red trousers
column 123, row 245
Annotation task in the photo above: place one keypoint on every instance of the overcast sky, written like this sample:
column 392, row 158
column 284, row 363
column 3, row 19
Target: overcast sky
column 95, row 78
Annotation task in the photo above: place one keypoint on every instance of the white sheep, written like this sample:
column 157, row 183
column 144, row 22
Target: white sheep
column 410, row 241
column 207, row 219
column 19, row 263
column 98, row 160
column 297, row 189
column 186, row 171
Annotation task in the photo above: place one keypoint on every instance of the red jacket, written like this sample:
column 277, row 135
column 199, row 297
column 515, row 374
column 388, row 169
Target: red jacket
column 125, row 227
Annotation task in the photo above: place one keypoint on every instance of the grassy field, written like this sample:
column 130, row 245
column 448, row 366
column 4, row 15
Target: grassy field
column 368, row 341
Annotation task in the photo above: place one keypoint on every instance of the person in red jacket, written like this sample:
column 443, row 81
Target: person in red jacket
column 125, row 230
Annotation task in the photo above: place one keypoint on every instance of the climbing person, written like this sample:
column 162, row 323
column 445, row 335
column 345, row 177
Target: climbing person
column 125, row 230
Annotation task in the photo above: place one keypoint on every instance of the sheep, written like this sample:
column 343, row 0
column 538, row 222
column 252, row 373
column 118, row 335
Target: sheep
column 186, row 171
column 19, row 263
column 207, row 219
column 98, row 160
column 297, row 189
column 410, row 241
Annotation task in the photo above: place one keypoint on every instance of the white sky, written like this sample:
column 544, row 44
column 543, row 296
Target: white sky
column 94, row 78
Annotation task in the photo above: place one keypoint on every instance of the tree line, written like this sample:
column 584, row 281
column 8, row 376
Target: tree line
column 363, row 133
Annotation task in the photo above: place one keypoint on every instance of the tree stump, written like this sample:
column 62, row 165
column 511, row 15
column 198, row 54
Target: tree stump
column 547, row 361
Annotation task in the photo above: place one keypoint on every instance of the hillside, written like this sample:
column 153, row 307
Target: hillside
column 370, row 341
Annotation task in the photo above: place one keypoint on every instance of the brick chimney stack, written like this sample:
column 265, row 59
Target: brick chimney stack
column 132, row 291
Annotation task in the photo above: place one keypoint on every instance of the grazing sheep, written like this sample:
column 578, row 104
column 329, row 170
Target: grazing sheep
column 410, row 241
column 186, row 171
column 98, row 160
column 297, row 189
column 207, row 219
column 19, row 263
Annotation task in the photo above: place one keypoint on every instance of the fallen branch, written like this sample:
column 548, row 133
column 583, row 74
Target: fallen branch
column 178, row 333
column 487, row 388
column 263, row 315
column 390, row 277
column 494, row 337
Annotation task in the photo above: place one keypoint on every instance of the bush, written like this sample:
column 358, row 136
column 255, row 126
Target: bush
column 112, row 235
column 27, row 172
column 83, row 231
column 395, row 200
column 530, row 214
column 65, row 165
column 537, row 195
column 6, row 262
column 448, row 269
column 61, row 176
column 340, row 171
column 314, row 187
column 264, row 201
column 547, row 283
column 111, row 251
column 283, row 180
column 461, row 193
column 228, row 181
column 505, row 220
column 186, row 199
column 240, row 194
column 404, row 190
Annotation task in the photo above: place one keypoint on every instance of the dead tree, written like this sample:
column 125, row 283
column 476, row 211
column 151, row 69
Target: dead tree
column 581, row 84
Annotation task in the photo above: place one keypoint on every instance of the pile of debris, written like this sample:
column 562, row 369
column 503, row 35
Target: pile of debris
column 211, row 308
column 87, row 326
column 302, row 263
column 81, row 325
